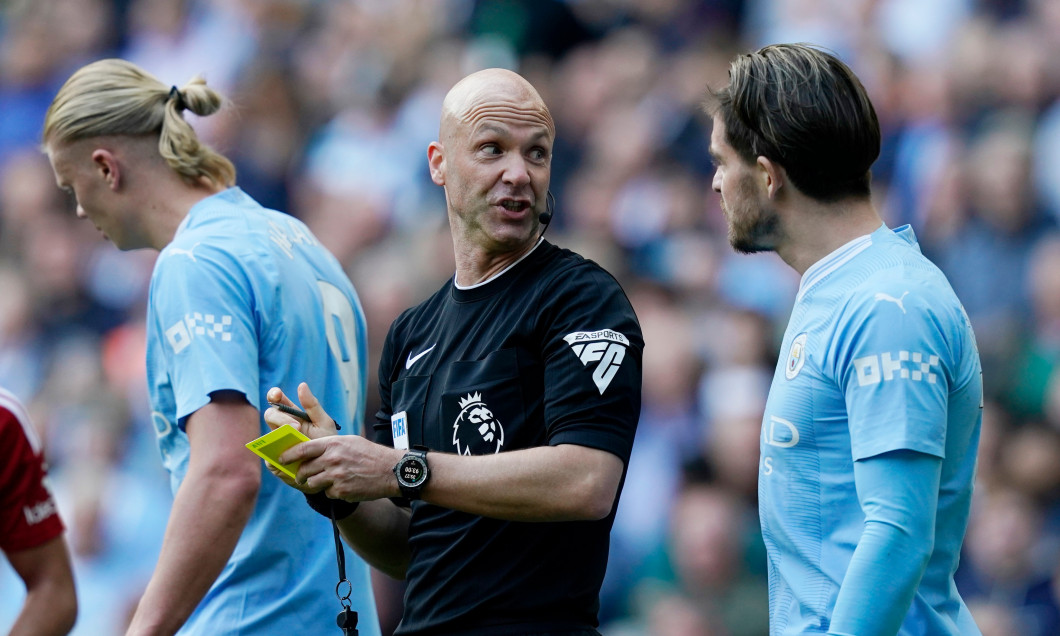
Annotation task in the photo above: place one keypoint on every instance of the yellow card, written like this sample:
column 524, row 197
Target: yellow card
column 272, row 444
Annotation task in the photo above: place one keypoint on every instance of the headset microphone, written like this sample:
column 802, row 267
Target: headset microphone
column 550, row 204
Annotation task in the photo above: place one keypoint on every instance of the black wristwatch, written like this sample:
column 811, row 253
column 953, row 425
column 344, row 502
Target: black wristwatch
column 412, row 472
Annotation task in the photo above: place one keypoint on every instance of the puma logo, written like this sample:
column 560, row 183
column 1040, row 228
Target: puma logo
column 190, row 253
column 891, row 299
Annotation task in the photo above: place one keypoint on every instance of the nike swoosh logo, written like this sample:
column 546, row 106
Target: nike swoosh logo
column 413, row 358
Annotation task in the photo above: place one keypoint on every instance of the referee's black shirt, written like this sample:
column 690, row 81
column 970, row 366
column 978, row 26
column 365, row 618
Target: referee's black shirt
column 547, row 353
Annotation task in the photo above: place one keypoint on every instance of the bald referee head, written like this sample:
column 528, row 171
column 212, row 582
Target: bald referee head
column 493, row 157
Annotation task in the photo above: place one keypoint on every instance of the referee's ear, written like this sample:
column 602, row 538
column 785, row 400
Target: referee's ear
column 436, row 161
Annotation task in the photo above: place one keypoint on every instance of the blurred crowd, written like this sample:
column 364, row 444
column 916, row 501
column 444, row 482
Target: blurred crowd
column 333, row 103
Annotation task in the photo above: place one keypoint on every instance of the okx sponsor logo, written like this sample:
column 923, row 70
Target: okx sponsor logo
column 905, row 365
column 603, row 351
column 197, row 325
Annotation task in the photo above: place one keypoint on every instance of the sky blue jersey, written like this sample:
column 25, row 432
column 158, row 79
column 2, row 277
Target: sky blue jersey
column 878, row 356
column 244, row 299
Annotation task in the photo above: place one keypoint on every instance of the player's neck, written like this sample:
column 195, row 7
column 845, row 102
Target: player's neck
column 817, row 230
column 171, row 204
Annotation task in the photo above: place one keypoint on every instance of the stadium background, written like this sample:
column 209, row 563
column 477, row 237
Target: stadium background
column 334, row 104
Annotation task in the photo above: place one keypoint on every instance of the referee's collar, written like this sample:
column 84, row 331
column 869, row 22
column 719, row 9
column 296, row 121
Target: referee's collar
column 500, row 273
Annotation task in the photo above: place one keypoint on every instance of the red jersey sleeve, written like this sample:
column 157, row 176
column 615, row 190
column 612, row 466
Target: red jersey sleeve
column 28, row 514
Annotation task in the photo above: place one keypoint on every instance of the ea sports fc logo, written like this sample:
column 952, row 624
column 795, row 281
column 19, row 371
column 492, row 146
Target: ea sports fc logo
column 476, row 431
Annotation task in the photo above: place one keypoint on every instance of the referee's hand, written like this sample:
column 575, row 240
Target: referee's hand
column 320, row 424
column 347, row 467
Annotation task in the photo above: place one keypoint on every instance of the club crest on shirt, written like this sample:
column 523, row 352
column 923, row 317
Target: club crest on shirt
column 796, row 357
column 476, row 431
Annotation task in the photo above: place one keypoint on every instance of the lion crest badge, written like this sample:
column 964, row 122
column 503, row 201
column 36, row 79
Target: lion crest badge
column 476, row 431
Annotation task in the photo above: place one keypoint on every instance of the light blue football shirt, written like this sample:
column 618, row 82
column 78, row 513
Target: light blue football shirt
column 878, row 356
column 244, row 299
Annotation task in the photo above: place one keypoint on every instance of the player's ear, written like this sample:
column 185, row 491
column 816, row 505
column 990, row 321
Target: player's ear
column 107, row 167
column 771, row 176
column 436, row 162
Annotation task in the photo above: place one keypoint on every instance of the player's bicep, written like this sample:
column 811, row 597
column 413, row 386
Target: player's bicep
column 892, row 364
column 219, row 431
column 206, row 316
column 48, row 562
column 900, row 489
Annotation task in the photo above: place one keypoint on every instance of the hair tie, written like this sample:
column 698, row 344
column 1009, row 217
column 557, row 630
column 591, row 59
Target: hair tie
column 174, row 92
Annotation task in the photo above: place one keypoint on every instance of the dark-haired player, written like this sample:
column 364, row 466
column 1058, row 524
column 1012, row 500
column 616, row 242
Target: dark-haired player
column 872, row 423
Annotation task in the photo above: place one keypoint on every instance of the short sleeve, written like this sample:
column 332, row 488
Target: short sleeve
column 593, row 359
column 894, row 366
column 204, row 307
column 29, row 516
column 382, row 432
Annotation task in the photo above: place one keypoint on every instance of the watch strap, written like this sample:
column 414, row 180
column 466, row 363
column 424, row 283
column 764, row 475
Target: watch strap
column 409, row 491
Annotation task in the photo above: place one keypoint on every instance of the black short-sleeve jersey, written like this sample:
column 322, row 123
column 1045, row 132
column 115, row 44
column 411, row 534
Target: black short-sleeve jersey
column 547, row 353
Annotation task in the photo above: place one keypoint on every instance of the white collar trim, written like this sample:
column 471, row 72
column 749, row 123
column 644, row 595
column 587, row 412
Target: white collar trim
column 500, row 273
column 831, row 263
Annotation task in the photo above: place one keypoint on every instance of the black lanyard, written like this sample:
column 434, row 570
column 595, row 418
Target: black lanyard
column 347, row 618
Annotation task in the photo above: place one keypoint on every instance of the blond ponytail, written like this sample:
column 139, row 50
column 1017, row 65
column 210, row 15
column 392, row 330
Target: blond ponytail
column 116, row 97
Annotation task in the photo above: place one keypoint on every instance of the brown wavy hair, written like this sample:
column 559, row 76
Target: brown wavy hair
column 803, row 108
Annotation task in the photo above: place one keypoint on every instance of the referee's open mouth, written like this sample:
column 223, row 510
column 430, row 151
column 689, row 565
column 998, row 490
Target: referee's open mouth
column 514, row 207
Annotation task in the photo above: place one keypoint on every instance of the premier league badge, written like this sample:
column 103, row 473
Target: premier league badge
column 476, row 431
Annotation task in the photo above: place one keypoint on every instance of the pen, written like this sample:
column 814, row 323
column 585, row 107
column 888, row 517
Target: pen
column 299, row 413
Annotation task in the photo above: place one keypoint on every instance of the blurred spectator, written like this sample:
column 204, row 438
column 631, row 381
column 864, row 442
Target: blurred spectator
column 333, row 105
column 1038, row 357
column 703, row 573
column 987, row 258
column 1001, row 566
column 666, row 439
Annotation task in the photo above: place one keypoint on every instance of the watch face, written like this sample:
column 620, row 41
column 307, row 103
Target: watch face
column 412, row 471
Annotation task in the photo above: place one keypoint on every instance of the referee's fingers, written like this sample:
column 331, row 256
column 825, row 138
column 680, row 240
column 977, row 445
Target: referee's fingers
column 303, row 451
column 311, row 404
column 275, row 394
column 323, row 424
column 276, row 418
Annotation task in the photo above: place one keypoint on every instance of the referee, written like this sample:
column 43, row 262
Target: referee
column 510, row 399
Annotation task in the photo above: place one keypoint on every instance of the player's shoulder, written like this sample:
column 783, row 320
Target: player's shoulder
column 227, row 230
column 15, row 426
column 903, row 272
column 229, row 217
column 208, row 239
column 11, row 407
